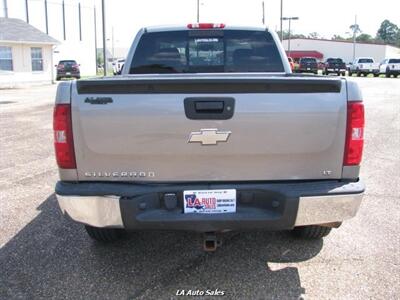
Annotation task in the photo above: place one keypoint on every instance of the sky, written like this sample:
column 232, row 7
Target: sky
column 126, row 17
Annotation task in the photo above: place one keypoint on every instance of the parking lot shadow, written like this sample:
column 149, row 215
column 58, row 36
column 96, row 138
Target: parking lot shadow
column 52, row 257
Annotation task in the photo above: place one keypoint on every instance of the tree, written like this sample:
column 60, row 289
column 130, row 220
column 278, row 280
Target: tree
column 337, row 37
column 364, row 38
column 292, row 35
column 388, row 32
column 398, row 38
column 314, row 35
column 99, row 57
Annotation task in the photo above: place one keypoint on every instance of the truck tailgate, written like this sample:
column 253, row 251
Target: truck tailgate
column 136, row 128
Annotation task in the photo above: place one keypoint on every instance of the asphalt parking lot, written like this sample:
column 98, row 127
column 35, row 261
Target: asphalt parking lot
column 44, row 255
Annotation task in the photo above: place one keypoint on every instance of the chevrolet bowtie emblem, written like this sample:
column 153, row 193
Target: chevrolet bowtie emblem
column 209, row 136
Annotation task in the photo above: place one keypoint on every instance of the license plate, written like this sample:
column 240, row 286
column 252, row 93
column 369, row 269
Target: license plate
column 209, row 201
column 308, row 69
column 68, row 73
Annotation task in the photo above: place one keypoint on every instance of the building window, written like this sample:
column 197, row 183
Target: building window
column 6, row 62
column 37, row 59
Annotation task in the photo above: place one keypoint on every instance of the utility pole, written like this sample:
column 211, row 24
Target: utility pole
column 5, row 8
column 263, row 13
column 80, row 21
column 104, row 37
column 46, row 16
column 290, row 21
column 112, row 42
column 356, row 29
column 63, row 15
column 281, row 20
column 95, row 37
column 27, row 11
column 198, row 11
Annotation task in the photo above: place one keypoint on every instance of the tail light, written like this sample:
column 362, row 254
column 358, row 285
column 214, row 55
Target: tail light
column 75, row 66
column 354, row 134
column 205, row 25
column 60, row 67
column 63, row 138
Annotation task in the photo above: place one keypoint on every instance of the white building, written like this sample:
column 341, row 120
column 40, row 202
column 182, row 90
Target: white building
column 70, row 22
column 342, row 49
column 25, row 54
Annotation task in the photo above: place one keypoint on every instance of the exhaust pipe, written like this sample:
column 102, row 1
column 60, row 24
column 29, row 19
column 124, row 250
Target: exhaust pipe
column 210, row 242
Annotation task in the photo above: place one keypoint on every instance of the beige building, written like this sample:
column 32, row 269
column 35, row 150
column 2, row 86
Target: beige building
column 26, row 54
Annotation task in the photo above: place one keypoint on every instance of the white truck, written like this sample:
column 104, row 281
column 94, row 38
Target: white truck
column 364, row 66
column 208, row 130
column 389, row 67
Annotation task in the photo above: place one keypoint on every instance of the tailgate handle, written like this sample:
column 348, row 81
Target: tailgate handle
column 209, row 106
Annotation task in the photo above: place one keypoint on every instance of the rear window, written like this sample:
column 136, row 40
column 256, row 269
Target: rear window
column 308, row 60
column 206, row 51
column 365, row 60
column 335, row 60
column 394, row 61
column 67, row 62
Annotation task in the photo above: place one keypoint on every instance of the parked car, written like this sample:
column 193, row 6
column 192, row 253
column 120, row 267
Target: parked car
column 291, row 63
column 308, row 65
column 208, row 140
column 390, row 66
column 334, row 65
column 364, row 66
column 68, row 69
column 117, row 66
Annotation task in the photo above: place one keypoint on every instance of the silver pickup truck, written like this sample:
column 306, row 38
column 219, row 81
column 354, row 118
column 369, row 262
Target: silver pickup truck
column 207, row 130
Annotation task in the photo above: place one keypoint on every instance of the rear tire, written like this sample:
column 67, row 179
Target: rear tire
column 350, row 74
column 105, row 235
column 312, row 231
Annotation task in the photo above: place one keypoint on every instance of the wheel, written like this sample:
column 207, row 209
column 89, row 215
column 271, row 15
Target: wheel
column 58, row 78
column 376, row 75
column 312, row 231
column 105, row 235
column 343, row 73
column 316, row 72
column 350, row 74
column 78, row 77
column 387, row 73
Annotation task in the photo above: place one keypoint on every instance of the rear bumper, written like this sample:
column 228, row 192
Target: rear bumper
column 333, row 70
column 269, row 206
column 307, row 70
column 71, row 74
column 372, row 71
